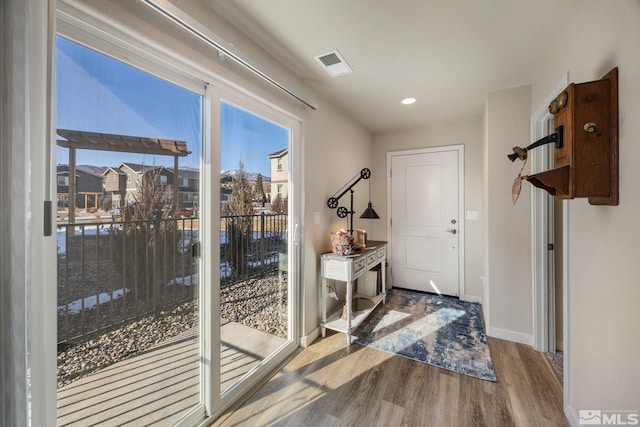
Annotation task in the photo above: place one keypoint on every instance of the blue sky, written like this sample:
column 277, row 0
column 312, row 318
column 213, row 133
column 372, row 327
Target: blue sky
column 99, row 94
column 249, row 139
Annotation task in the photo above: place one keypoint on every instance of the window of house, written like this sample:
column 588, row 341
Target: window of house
column 279, row 189
column 279, row 163
column 63, row 180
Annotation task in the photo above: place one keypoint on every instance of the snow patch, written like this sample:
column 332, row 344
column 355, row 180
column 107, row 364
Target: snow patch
column 91, row 302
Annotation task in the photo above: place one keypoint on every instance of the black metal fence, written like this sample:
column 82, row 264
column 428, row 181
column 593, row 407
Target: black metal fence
column 114, row 273
column 251, row 245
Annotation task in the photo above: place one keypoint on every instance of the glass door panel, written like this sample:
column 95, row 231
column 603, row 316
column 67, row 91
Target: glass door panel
column 128, row 174
column 254, row 242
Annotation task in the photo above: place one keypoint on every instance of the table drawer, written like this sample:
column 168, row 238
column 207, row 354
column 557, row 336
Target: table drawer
column 372, row 257
column 382, row 252
column 359, row 265
column 336, row 270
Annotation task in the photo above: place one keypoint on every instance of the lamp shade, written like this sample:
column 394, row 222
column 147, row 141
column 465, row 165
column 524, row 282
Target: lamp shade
column 369, row 213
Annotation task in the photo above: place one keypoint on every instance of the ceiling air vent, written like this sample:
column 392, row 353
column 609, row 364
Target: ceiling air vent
column 334, row 63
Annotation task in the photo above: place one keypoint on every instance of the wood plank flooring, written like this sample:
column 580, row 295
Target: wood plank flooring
column 330, row 384
column 158, row 386
column 152, row 388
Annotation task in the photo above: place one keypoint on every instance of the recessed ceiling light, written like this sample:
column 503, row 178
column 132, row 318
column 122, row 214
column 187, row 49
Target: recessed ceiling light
column 408, row 101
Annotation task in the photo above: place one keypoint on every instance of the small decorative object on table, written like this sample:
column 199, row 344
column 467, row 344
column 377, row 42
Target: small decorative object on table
column 341, row 243
column 360, row 238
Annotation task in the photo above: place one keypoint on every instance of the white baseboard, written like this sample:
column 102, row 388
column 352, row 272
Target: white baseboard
column 509, row 335
column 571, row 416
column 471, row 298
column 306, row 340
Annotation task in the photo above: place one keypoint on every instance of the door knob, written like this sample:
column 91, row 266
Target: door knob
column 452, row 231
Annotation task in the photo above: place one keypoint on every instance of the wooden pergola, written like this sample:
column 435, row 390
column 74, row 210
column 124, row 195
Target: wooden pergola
column 76, row 139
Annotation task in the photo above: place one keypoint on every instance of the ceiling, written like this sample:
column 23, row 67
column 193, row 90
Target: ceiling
column 449, row 54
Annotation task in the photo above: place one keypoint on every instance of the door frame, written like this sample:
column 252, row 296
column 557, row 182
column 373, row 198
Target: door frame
column 539, row 228
column 219, row 92
column 459, row 149
column 542, row 235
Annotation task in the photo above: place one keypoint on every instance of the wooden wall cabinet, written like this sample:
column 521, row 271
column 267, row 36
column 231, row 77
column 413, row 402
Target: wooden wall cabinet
column 587, row 163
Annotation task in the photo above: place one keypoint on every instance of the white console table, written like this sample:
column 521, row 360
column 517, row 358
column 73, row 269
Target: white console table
column 348, row 269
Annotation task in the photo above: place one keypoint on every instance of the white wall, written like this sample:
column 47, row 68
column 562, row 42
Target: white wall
column 467, row 133
column 508, row 227
column 335, row 151
column 604, row 242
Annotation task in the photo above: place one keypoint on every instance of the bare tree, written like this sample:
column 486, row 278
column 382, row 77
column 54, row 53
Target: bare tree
column 240, row 201
column 240, row 221
column 152, row 198
column 258, row 191
column 150, row 239
column 279, row 205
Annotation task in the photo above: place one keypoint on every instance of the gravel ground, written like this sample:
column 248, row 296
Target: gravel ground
column 97, row 278
column 258, row 303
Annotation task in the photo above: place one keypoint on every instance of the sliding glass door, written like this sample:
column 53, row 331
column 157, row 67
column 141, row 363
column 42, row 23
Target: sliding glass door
column 258, row 241
column 178, row 213
column 128, row 215
column 253, row 237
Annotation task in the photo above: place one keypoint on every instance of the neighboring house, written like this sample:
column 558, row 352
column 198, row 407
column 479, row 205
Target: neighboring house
column 122, row 183
column 115, row 184
column 188, row 185
column 279, row 173
column 135, row 173
column 226, row 183
column 88, row 187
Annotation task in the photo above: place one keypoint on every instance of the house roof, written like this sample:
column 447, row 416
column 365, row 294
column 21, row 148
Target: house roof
column 115, row 170
column 138, row 168
column 62, row 169
column 122, row 143
column 279, row 153
column 188, row 173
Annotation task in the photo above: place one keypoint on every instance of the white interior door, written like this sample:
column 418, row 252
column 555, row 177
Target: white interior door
column 425, row 230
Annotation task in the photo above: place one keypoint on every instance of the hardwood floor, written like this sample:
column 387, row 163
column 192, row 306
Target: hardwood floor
column 330, row 384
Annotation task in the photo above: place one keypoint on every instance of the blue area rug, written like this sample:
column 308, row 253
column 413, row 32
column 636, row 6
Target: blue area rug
column 438, row 330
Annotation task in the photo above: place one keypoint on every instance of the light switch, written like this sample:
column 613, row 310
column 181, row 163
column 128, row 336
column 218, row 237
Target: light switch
column 472, row 215
column 316, row 217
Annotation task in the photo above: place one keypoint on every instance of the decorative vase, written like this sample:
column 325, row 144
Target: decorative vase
column 341, row 243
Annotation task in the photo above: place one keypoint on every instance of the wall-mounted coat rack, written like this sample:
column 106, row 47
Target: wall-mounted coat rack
column 585, row 117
